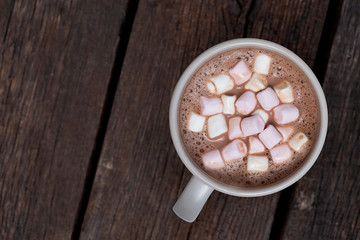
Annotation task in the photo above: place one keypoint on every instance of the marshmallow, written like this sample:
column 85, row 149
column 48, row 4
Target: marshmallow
column 246, row 103
column 267, row 99
column 210, row 106
column 234, row 128
column 213, row 160
column 216, row 125
column 264, row 115
column 285, row 113
column 228, row 103
column 284, row 92
column 211, row 87
column 257, row 82
column 196, row 122
column 298, row 141
column 257, row 163
column 223, row 83
column 252, row 125
column 262, row 64
column 255, row 146
column 270, row 137
column 240, row 73
column 234, row 150
column 285, row 132
column 281, row 153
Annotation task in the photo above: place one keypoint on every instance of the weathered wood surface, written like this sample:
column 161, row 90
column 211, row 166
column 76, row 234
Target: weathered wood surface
column 139, row 175
column 55, row 65
column 326, row 203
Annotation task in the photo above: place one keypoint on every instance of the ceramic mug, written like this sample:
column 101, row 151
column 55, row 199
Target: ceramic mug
column 201, row 185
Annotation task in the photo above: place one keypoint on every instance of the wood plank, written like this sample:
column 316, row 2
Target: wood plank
column 55, row 65
column 326, row 203
column 139, row 176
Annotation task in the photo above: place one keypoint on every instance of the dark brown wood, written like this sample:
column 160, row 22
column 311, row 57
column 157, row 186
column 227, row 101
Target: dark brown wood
column 5, row 15
column 139, row 176
column 326, row 204
column 55, row 65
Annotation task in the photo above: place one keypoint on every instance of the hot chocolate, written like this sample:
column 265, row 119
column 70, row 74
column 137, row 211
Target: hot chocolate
column 248, row 117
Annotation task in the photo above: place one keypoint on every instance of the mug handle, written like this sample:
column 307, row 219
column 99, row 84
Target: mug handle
column 192, row 199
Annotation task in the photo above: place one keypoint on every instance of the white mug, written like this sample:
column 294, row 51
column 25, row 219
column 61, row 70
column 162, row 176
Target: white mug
column 201, row 185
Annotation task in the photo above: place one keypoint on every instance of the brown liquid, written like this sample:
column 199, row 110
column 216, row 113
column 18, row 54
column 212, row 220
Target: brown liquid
column 236, row 172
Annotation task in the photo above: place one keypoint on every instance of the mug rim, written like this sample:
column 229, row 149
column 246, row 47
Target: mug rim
column 195, row 169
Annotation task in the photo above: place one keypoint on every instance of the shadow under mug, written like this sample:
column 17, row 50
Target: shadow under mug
column 201, row 185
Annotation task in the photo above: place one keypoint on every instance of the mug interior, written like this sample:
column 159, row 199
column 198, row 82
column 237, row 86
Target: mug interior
column 196, row 170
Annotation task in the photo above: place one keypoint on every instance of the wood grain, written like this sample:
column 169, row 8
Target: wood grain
column 327, row 200
column 139, row 176
column 55, row 64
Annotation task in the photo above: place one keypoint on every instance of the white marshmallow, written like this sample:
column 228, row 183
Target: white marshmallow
column 267, row 98
column 262, row 64
column 285, row 132
column 255, row 146
column 252, row 125
column 298, row 141
column 234, row 150
column 270, row 137
column 285, row 113
column 223, row 83
column 284, row 91
column 196, row 122
column 228, row 103
column 246, row 103
column 264, row 115
column 211, row 87
column 241, row 73
column 257, row 163
column 216, row 126
column 281, row 153
column 210, row 106
column 213, row 160
column 234, row 128
column 257, row 82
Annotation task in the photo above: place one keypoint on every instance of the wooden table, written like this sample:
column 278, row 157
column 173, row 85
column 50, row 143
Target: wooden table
column 85, row 147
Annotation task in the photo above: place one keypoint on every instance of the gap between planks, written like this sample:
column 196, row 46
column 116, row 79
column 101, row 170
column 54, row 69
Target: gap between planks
column 124, row 36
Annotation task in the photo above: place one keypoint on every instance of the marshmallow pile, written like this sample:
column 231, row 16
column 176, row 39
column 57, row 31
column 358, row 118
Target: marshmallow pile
column 242, row 122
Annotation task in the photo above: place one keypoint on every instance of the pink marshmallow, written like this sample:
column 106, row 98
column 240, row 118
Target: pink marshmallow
column 252, row 125
column 270, row 137
column 240, row 73
column 234, row 150
column 213, row 160
column 285, row 132
column 255, row 146
column 285, row 113
column 210, row 106
column 281, row 153
column 234, row 128
column 246, row 103
column 267, row 99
